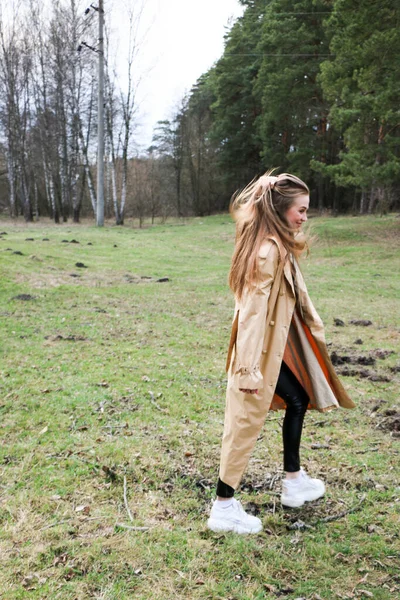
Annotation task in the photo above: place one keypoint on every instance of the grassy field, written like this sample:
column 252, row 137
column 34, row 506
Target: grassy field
column 112, row 400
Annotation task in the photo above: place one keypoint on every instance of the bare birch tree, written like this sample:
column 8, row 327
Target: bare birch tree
column 120, row 112
column 15, row 66
column 48, row 119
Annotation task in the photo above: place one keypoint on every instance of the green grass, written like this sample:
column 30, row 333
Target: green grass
column 110, row 375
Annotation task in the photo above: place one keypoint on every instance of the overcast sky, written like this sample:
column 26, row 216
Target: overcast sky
column 183, row 38
column 178, row 39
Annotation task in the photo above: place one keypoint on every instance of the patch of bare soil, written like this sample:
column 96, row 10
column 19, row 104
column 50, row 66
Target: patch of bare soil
column 361, row 322
column 386, row 419
column 68, row 338
column 270, row 482
column 360, row 359
column 24, row 297
column 46, row 280
column 85, row 278
column 342, row 362
column 144, row 279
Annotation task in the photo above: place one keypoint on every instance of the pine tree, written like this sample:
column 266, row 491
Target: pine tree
column 235, row 109
column 293, row 124
column 362, row 84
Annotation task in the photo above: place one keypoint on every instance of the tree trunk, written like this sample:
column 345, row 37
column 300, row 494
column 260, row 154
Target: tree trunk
column 11, row 183
column 363, row 202
column 114, row 190
column 36, row 205
column 372, row 200
column 81, row 193
column 86, row 165
column 120, row 216
column 335, row 210
column 320, row 192
column 27, row 208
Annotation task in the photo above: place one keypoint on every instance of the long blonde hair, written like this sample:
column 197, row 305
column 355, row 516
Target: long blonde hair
column 259, row 211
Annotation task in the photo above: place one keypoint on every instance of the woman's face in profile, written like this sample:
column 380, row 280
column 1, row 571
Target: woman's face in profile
column 296, row 215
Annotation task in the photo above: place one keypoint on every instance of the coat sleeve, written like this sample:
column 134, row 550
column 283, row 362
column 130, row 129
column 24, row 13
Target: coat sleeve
column 251, row 322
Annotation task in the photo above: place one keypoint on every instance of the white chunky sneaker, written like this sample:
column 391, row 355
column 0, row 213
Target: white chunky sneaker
column 233, row 518
column 302, row 489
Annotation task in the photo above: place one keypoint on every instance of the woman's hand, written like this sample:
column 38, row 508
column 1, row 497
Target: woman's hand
column 245, row 391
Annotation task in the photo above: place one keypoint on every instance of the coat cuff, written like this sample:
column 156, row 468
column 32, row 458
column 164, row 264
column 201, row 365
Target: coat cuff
column 248, row 378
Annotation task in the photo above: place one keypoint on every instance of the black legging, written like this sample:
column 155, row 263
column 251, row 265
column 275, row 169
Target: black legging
column 296, row 400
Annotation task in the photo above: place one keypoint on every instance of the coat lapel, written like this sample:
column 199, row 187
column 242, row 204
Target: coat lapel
column 288, row 275
column 284, row 256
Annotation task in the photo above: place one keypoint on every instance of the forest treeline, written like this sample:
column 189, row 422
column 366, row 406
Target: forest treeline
column 310, row 87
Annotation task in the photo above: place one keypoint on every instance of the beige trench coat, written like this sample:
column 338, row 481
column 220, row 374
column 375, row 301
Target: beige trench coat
column 262, row 335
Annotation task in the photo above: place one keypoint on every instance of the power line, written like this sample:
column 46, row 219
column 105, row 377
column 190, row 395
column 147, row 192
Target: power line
column 303, row 13
column 315, row 13
column 251, row 54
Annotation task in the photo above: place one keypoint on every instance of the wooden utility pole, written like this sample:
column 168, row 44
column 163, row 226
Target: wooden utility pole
column 100, row 118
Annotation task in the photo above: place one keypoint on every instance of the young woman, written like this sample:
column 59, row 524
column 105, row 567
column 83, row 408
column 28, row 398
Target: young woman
column 277, row 355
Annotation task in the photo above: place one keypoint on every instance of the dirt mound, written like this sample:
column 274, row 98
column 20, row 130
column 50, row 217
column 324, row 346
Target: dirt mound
column 342, row 362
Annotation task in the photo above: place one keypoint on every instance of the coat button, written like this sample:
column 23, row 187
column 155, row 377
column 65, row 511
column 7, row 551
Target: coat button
column 272, row 323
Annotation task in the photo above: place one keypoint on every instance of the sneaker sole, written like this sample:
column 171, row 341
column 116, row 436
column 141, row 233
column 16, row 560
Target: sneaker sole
column 216, row 526
column 301, row 503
